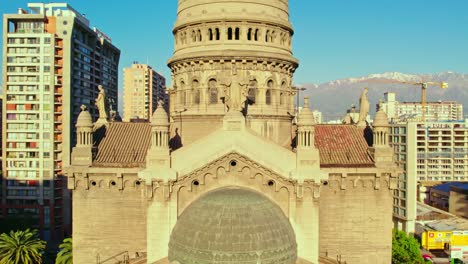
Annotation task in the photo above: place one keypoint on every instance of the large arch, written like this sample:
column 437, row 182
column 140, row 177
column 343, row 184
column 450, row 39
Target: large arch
column 233, row 170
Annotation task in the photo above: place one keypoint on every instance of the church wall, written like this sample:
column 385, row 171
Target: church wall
column 108, row 219
column 356, row 218
column 192, row 130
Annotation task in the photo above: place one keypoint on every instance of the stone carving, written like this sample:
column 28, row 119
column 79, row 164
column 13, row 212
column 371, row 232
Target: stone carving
column 235, row 90
column 101, row 103
column 363, row 106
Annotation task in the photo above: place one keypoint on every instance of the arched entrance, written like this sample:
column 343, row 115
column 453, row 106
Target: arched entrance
column 233, row 225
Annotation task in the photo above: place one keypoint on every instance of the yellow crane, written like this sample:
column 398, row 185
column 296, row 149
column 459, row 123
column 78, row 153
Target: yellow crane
column 423, row 86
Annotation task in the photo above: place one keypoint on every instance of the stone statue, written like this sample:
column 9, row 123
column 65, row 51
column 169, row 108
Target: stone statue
column 235, row 90
column 363, row 107
column 100, row 103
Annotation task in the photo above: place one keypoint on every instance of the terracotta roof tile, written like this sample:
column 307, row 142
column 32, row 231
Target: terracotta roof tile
column 342, row 146
column 124, row 145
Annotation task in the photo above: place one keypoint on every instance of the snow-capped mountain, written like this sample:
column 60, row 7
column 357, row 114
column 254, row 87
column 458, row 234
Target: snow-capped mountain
column 335, row 97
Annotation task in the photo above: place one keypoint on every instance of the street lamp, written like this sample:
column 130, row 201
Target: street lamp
column 180, row 118
column 298, row 89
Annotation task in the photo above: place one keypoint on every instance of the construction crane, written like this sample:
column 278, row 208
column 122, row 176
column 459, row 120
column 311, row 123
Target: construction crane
column 423, row 86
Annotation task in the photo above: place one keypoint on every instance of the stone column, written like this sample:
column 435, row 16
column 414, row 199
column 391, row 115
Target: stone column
column 162, row 216
column 305, row 221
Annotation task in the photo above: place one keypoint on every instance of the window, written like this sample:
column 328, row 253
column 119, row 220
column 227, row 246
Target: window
column 237, row 34
column 196, row 92
column 213, row 90
column 229, row 34
column 252, row 94
column 210, row 34
column 283, row 93
column 268, row 97
column 270, row 87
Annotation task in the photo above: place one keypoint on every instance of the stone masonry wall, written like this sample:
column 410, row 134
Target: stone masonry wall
column 108, row 221
column 356, row 220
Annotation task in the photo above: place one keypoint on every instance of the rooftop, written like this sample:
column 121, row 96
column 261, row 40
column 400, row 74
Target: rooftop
column 342, row 146
column 56, row 9
column 445, row 187
column 126, row 145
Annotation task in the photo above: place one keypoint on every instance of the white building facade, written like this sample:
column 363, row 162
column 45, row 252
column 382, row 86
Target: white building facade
column 428, row 153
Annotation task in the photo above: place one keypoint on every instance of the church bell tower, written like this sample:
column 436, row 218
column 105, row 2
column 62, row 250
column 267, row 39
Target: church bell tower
column 232, row 56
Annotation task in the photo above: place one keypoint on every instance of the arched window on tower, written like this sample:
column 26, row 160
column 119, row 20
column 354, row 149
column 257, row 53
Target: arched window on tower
column 249, row 34
column 269, row 91
column 182, row 91
column 257, row 33
column 195, row 92
column 237, row 35
column 210, row 34
column 199, row 35
column 268, row 97
column 267, row 36
column 217, row 34
column 229, row 34
column 194, row 36
column 283, row 93
column 213, row 90
column 252, row 94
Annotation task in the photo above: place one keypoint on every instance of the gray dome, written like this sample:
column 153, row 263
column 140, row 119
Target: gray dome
column 233, row 226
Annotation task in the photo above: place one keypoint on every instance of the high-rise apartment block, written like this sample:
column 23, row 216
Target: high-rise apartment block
column 435, row 111
column 428, row 152
column 143, row 87
column 52, row 64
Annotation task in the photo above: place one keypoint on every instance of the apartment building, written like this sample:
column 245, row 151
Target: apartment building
column 428, row 153
column 53, row 62
column 143, row 87
column 435, row 111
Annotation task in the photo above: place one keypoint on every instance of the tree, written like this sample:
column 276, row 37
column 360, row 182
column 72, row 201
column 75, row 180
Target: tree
column 21, row 247
column 65, row 256
column 405, row 249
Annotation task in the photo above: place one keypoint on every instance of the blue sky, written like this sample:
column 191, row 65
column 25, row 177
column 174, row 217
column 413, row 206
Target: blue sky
column 333, row 38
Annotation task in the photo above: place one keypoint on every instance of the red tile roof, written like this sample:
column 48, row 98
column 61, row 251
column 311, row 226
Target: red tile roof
column 124, row 145
column 342, row 146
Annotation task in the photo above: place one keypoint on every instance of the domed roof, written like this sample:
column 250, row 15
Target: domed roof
column 380, row 119
column 306, row 117
column 160, row 117
column 233, row 226
column 278, row 4
column 84, row 118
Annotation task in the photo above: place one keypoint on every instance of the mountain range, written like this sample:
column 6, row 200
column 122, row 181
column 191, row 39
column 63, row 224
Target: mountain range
column 335, row 97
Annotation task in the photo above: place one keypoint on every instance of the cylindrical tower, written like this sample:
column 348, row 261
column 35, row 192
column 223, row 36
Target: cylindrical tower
column 232, row 49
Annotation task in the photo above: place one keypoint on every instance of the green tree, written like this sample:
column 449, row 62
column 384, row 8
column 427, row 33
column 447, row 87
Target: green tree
column 405, row 249
column 65, row 256
column 21, row 247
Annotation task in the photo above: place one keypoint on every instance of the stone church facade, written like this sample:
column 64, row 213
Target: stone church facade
column 225, row 176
